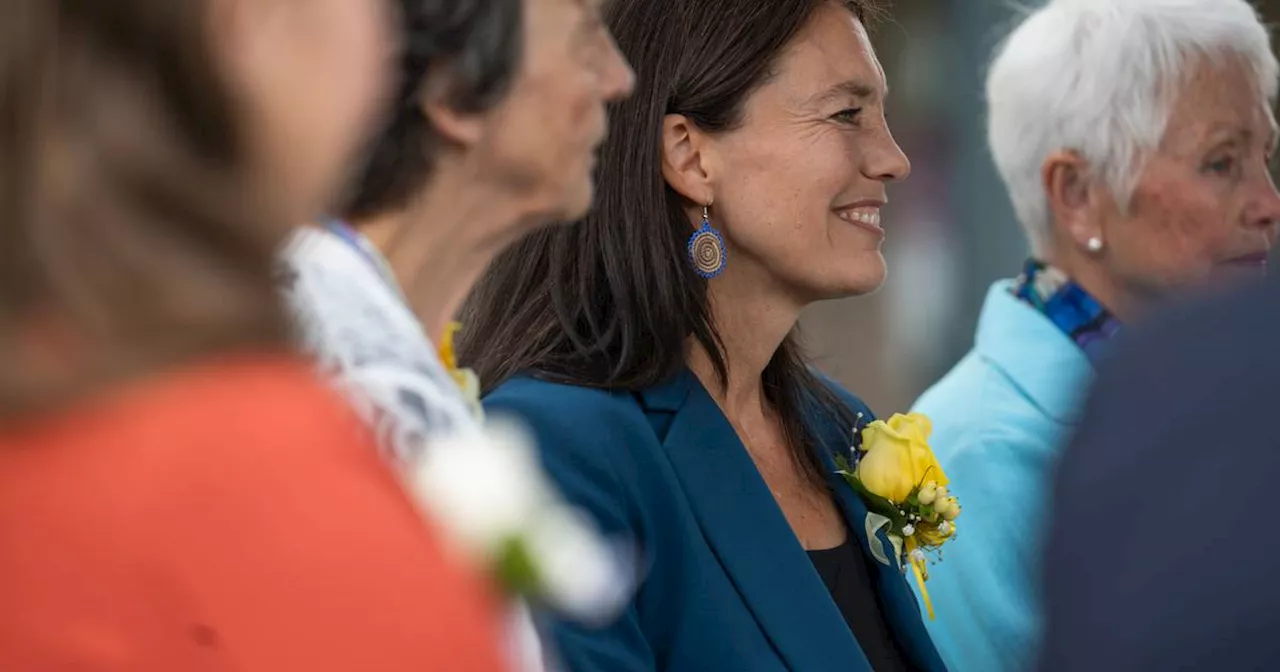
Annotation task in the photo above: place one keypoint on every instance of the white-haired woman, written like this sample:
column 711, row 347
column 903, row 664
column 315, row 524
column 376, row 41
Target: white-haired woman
column 1133, row 138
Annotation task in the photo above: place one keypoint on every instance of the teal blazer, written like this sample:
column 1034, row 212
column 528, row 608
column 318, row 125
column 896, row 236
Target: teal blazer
column 1000, row 420
column 725, row 584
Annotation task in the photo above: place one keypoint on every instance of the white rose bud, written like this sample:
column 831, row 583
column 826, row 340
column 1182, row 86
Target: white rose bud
column 953, row 511
column 928, row 494
column 942, row 504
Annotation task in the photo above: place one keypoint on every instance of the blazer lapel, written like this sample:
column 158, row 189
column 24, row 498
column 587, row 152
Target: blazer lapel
column 749, row 535
column 901, row 610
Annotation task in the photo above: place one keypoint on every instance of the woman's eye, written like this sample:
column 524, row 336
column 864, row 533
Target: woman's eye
column 1222, row 166
column 848, row 115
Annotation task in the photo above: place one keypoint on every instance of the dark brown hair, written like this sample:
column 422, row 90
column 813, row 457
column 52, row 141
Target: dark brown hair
column 610, row 301
column 129, row 236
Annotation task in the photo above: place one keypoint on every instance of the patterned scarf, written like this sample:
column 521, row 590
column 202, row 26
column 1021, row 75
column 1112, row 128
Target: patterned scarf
column 353, row 319
column 1073, row 310
column 366, row 249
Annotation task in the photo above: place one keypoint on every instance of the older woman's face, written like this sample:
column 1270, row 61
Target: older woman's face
column 1204, row 208
column 801, row 183
column 547, row 130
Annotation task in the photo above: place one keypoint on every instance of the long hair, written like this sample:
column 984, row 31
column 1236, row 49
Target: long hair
column 610, row 301
column 127, row 227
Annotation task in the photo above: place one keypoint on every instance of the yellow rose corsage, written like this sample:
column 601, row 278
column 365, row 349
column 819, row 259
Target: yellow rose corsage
column 905, row 490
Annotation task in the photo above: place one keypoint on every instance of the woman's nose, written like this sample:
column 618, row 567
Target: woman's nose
column 1265, row 213
column 617, row 78
column 887, row 162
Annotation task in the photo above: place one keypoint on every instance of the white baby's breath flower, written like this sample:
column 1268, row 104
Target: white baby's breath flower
column 483, row 489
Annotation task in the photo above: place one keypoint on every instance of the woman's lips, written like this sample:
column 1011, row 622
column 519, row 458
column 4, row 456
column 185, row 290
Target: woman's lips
column 863, row 216
column 1245, row 268
column 1255, row 260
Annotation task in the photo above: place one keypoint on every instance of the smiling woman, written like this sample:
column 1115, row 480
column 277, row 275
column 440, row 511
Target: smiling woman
column 650, row 347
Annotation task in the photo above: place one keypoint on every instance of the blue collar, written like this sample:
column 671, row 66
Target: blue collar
column 1068, row 306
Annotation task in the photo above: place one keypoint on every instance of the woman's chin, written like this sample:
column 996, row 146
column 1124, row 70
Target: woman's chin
column 1233, row 275
column 575, row 200
column 845, row 286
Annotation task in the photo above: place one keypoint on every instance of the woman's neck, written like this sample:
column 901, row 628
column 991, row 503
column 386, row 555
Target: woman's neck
column 753, row 319
column 440, row 245
column 1090, row 275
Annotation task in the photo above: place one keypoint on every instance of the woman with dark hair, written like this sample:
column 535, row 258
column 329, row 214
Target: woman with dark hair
column 177, row 489
column 649, row 345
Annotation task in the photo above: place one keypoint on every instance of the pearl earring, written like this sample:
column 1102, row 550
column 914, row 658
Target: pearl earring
column 1094, row 244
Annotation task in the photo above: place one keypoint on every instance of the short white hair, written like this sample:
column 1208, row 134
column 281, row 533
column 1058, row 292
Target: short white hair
column 1099, row 77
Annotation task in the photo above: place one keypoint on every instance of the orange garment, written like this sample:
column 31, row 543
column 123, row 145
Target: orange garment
column 232, row 516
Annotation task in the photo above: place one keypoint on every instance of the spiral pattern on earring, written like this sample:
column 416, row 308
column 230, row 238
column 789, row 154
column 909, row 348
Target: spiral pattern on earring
column 706, row 251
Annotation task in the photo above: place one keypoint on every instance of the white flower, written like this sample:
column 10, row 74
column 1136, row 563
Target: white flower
column 488, row 490
column 484, row 489
column 943, row 504
column 945, row 528
column 908, row 530
column 581, row 576
column 953, row 512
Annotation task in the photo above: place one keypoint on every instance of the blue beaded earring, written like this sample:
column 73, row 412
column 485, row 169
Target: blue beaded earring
column 706, row 249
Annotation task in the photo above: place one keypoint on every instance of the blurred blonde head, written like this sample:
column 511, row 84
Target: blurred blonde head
column 153, row 154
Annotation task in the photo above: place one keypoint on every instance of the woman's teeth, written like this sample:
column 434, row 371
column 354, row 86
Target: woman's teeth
column 869, row 216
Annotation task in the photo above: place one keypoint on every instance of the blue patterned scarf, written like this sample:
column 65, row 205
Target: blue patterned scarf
column 1073, row 310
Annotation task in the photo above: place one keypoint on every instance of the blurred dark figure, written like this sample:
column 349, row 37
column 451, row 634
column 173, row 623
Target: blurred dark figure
column 1160, row 555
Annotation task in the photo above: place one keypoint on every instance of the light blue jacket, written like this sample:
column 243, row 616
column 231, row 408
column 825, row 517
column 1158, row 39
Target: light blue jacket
column 1000, row 419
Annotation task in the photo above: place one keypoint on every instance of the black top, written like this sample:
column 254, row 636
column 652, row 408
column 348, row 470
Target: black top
column 845, row 571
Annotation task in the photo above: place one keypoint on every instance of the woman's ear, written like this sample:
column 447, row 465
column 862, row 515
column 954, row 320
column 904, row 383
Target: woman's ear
column 461, row 128
column 1068, row 186
column 686, row 158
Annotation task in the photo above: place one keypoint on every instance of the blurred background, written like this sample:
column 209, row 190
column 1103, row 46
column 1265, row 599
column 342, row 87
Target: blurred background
column 951, row 229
